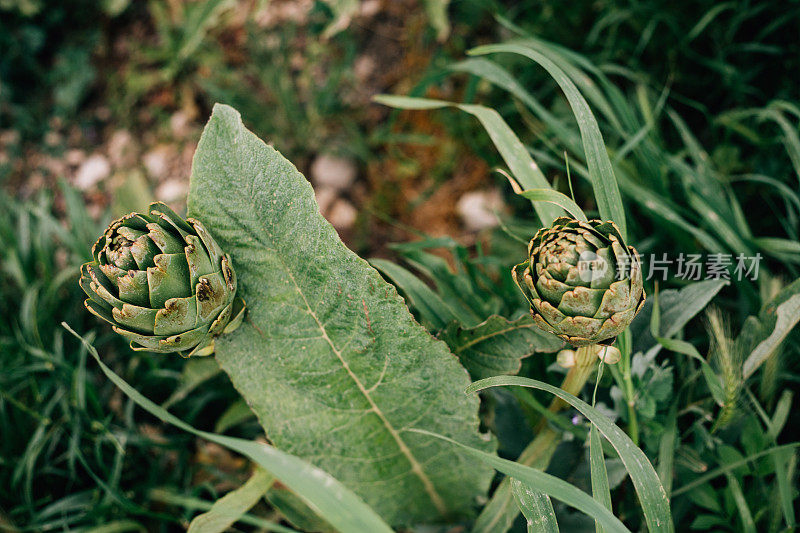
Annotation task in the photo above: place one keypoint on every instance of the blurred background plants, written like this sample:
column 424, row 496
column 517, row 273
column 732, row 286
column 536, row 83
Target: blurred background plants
column 101, row 106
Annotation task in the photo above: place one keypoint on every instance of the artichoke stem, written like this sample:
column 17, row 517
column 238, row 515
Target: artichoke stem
column 542, row 446
column 585, row 361
column 540, row 450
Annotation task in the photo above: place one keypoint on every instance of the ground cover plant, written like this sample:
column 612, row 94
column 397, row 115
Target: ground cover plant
column 321, row 400
column 309, row 296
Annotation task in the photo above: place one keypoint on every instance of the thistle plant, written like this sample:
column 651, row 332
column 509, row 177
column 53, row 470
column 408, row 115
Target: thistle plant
column 582, row 281
column 162, row 282
column 318, row 310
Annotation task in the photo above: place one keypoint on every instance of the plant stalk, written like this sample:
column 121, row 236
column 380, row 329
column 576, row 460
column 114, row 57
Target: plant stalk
column 585, row 362
column 630, row 396
column 501, row 511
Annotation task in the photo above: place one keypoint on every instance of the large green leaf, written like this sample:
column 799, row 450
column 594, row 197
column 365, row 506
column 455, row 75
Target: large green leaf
column 329, row 357
column 498, row 345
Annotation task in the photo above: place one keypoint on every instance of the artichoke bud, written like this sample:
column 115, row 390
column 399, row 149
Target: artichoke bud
column 163, row 283
column 583, row 283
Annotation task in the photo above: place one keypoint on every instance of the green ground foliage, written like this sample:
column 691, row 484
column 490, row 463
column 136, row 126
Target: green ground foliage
column 699, row 109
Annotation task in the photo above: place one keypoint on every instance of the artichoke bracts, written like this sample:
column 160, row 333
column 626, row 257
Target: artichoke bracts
column 162, row 282
column 582, row 281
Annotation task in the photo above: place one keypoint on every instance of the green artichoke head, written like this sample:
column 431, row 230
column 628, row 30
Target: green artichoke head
column 582, row 281
column 162, row 282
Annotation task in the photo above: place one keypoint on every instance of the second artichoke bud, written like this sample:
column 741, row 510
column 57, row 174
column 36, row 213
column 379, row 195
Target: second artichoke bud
column 582, row 281
column 162, row 282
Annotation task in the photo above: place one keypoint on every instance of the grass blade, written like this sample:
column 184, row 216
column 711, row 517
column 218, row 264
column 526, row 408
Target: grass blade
column 197, row 504
column 652, row 496
column 550, row 485
column 557, row 198
column 535, row 507
column 666, row 449
column 601, row 491
column 606, row 189
column 328, row 497
column 117, row 526
column 733, row 466
column 227, row 510
column 597, row 463
column 512, row 150
column 748, row 525
column 785, row 463
column 497, row 75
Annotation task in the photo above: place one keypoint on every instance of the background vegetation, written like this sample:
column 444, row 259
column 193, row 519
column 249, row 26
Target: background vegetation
column 101, row 106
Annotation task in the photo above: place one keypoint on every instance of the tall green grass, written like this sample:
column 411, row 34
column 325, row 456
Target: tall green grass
column 695, row 178
column 73, row 454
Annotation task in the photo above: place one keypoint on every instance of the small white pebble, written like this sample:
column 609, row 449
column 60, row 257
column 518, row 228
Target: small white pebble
column 370, row 8
column 122, row 148
column 332, row 171
column 325, row 198
column 181, row 124
column 156, row 161
column 477, row 208
column 92, row 171
column 342, row 214
column 172, row 190
column 75, row 157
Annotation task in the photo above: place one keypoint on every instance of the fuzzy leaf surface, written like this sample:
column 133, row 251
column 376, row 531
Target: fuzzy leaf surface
column 498, row 345
column 329, row 357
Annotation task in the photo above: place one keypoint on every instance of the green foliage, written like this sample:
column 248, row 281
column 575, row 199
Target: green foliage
column 744, row 46
column 343, row 509
column 684, row 200
column 181, row 46
column 468, row 308
column 497, row 345
column 536, row 507
column 652, row 495
column 644, row 177
column 548, row 484
column 71, row 455
column 697, row 106
column 599, row 169
column 296, row 87
column 45, row 61
column 231, row 507
column 329, row 356
column 61, row 455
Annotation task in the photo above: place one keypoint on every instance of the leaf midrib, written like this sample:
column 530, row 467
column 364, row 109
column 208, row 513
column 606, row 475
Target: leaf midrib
column 482, row 338
column 416, row 466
